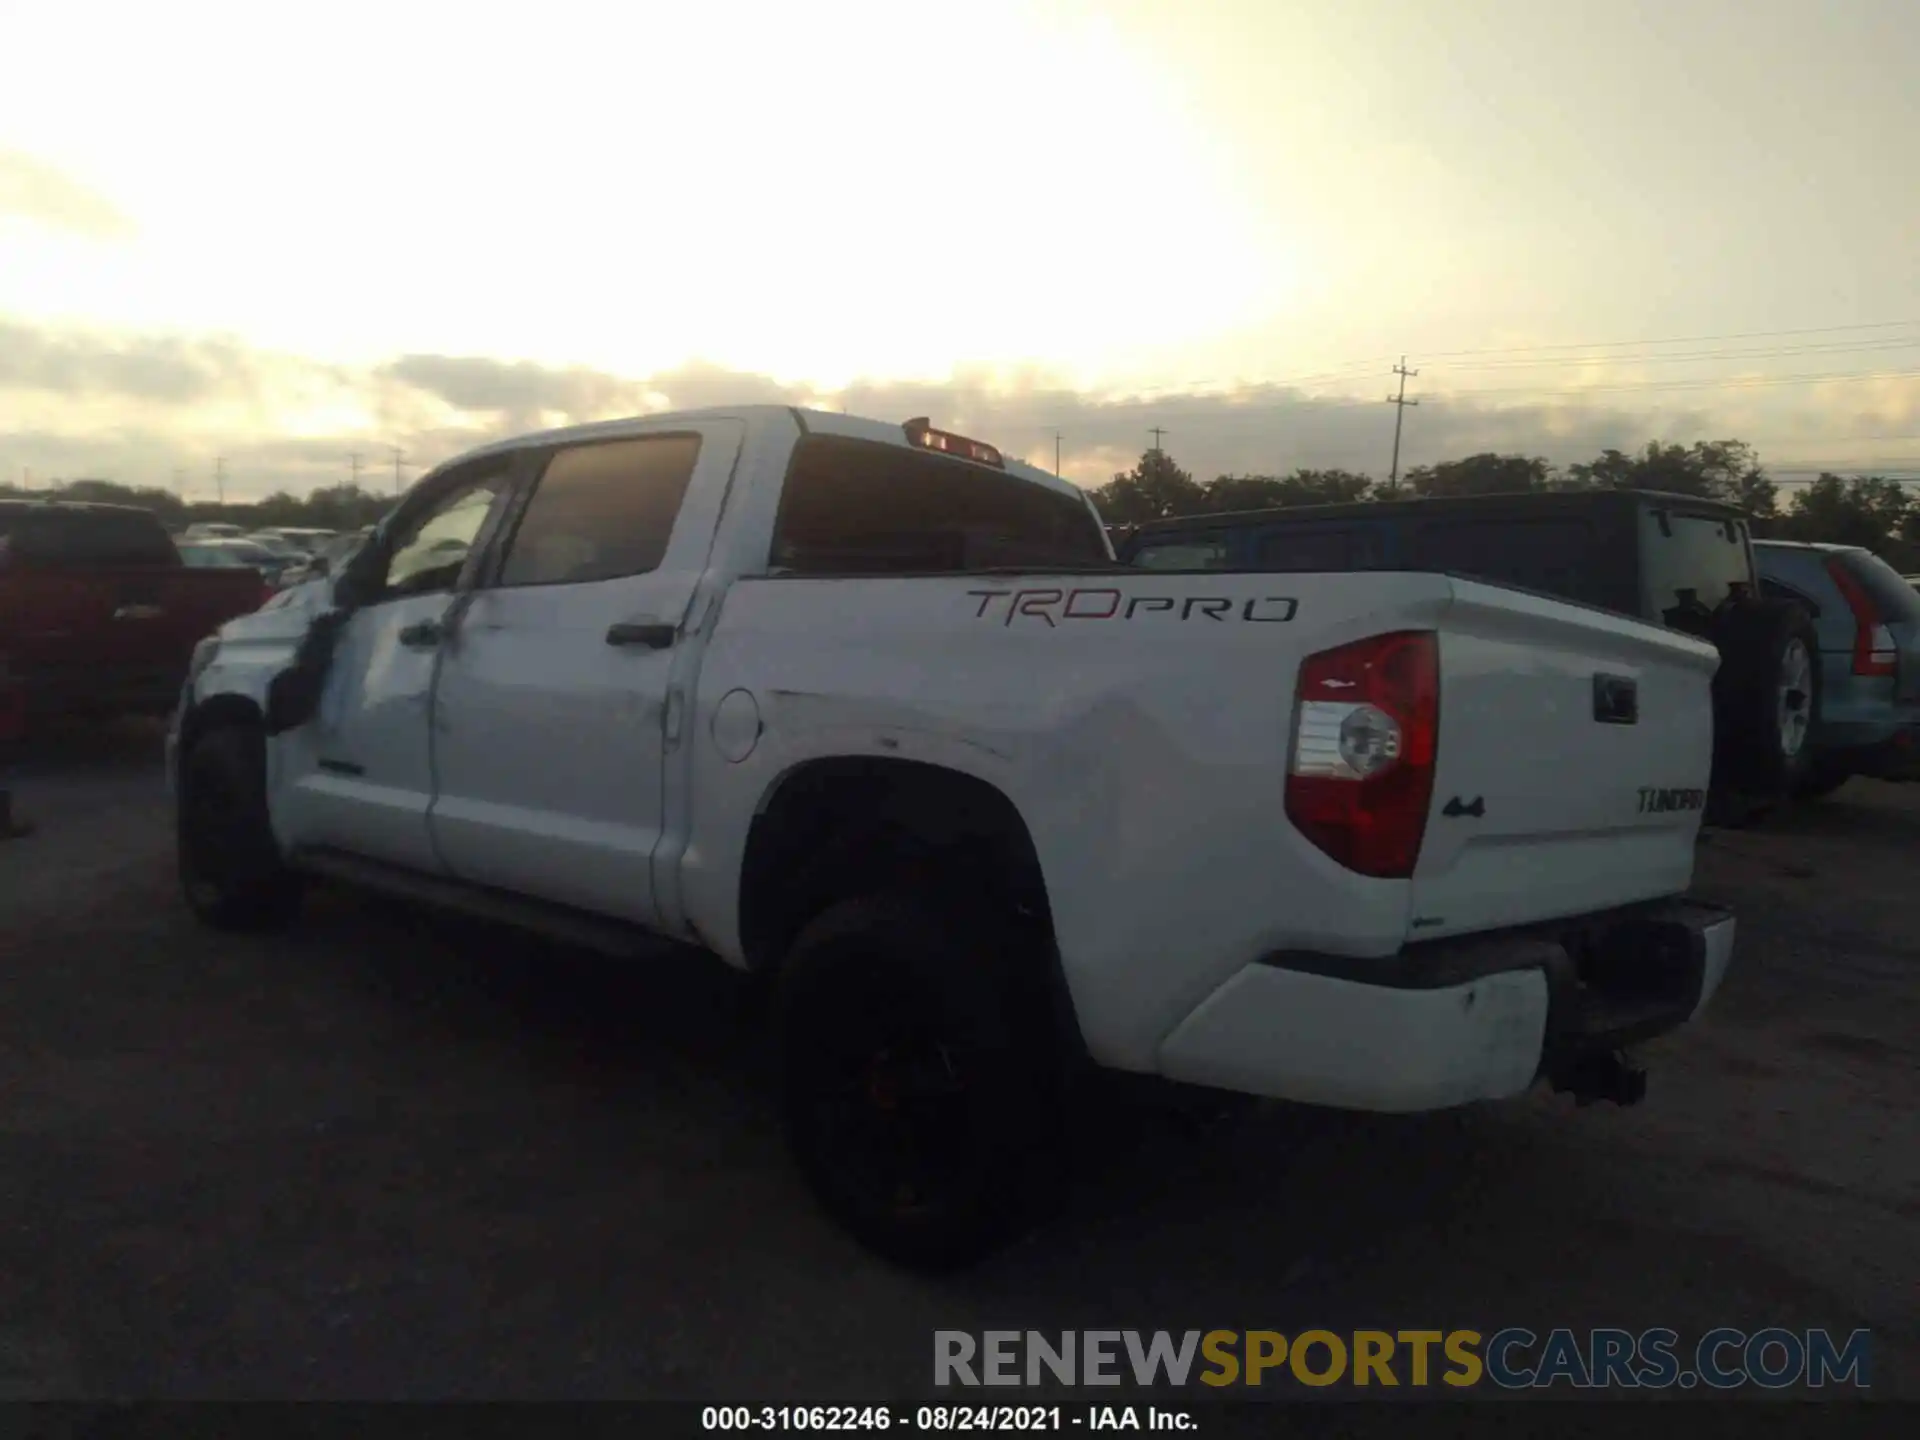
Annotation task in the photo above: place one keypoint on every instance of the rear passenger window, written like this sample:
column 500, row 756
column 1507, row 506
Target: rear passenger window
column 1551, row 556
column 1306, row 548
column 602, row 511
column 1182, row 555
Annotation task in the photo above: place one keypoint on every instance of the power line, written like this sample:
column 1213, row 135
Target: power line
column 1742, row 383
column 398, row 456
column 1694, row 356
column 1399, row 403
column 1359, row 369
column 1678, row 339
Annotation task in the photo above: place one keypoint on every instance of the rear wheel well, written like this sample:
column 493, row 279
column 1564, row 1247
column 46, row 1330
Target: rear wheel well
column 837, row 829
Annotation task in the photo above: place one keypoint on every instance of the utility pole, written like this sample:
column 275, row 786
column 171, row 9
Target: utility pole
column 220, row 478
column 1056, row 454
column 353, row 461
column 180, row 482
column 1400, row 403
column 398, row 456
column 1156, row 432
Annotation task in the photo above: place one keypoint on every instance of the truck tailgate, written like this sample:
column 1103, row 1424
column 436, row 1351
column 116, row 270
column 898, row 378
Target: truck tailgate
column 1575, row 747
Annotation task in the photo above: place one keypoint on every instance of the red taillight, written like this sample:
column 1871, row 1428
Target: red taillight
column 267, row 592
column 1873, row 648
column 1365, row 730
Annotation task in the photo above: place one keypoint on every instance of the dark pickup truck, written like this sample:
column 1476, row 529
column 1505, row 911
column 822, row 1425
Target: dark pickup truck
column 98, row 614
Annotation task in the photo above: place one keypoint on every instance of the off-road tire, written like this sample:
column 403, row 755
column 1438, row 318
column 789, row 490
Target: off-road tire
column 921, row 1084
column 1825, row 777
column 1766, row 701
column 231, row 869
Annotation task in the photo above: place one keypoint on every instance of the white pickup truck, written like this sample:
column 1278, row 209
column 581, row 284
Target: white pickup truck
column 868, row 709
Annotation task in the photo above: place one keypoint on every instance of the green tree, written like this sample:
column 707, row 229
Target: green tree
column 1155, row 489
column 1866, row 510
column 1302, row 487
column 1717, row 469
column 333, row 507
column 1485, row 474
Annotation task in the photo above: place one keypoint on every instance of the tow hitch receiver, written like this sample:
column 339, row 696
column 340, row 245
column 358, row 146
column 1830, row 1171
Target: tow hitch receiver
column 1602, row 1075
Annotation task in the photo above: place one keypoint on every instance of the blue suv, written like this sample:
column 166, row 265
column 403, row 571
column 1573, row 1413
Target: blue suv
column 1867, row 619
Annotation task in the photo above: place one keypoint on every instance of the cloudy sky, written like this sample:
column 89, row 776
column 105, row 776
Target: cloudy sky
column 281, row 235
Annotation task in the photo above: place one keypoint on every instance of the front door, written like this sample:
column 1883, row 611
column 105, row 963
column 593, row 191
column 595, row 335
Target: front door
column 359, row 775
column 562, row 682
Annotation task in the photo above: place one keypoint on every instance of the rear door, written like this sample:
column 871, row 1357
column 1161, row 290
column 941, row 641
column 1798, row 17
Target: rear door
column 1574, row 751
column 563, row 682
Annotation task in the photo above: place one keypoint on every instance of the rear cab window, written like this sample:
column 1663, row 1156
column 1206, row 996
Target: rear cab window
column 1188, row 553
column 864, row 507
column 1328, row 548
column 1549, row 554
column 1691, row 563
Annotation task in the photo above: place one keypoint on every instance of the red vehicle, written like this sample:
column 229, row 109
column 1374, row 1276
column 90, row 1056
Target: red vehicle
column 98, row 613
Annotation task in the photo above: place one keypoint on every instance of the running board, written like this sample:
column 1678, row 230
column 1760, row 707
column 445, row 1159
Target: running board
column 556, row 922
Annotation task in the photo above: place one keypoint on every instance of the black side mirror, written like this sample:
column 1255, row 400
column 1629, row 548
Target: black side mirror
column 360, row 581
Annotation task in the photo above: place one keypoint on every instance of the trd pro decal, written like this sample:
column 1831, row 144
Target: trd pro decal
column 1055, row 606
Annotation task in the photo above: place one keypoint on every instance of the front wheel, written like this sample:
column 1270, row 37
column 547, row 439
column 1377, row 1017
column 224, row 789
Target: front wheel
column 231, row 870
column 920, row 1090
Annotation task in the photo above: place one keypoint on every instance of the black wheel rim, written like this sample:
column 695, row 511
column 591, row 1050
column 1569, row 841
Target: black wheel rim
column 886, row 1094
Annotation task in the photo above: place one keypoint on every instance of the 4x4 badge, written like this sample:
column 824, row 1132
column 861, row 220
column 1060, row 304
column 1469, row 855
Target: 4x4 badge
column 1476, row 808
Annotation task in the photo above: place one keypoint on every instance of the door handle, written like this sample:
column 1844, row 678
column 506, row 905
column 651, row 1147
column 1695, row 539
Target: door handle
column 422, row 635
column 648, row 636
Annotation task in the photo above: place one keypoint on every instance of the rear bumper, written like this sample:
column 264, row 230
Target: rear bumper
column 1455, row 1021
column 1888, row 755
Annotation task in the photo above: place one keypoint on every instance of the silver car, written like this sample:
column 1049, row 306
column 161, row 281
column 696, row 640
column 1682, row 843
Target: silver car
column 1867, row 617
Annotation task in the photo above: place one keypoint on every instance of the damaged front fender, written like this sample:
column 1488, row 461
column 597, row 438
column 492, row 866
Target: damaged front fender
column 293, row 695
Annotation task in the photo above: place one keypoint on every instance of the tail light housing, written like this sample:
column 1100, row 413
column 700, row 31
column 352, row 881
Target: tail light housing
column 1366, row 728
column 1874, row 652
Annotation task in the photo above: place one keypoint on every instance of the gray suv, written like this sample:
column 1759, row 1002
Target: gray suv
column 1867, row 619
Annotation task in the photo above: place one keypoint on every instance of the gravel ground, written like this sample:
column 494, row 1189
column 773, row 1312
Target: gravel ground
column 394, row 1156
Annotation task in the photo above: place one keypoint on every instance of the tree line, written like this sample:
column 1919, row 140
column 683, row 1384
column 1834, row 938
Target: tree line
column 332, row 507
column 1866, row 510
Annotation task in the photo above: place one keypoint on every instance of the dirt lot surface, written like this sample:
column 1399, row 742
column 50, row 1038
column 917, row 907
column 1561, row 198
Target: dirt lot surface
column 397, row 1156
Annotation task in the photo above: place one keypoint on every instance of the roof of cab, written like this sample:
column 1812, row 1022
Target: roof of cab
column 810, row 422
column 1442, row 505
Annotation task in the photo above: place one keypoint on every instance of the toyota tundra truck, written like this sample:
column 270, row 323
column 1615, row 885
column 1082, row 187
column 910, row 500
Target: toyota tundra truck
column 869, row 710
